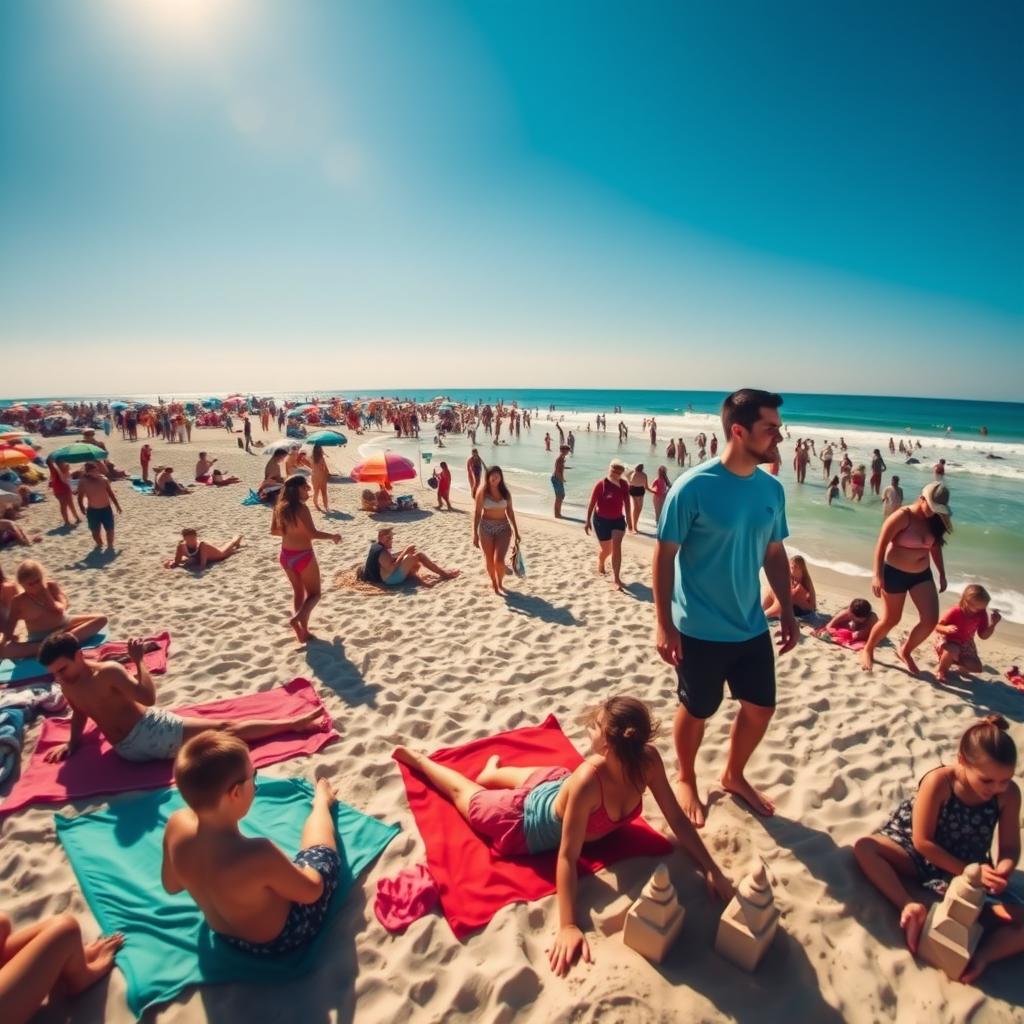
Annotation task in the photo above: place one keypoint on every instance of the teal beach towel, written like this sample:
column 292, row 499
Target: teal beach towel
column 116, row 853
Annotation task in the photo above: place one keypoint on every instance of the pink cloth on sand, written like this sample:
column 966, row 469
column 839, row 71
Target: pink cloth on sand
column 405, row 897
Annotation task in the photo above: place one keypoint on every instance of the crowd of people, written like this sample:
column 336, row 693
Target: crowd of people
column 718, row 526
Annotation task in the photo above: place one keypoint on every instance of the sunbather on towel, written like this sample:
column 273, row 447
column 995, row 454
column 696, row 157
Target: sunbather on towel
column 198, row 554
column 533, row 810
column 857, row 620
column 251, row 895
column 37, row 959
column 123, row 707
column 43, row 607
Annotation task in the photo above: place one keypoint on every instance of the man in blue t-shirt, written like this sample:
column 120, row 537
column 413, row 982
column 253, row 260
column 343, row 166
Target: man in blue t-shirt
column 722, row 521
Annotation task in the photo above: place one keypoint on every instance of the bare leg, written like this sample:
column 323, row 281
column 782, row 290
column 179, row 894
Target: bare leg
column 298, row 599
column 84, row 627
column 487, row 546
column 688, row 732
column 892, row 612
column 501, row 546
column 998, row 944
column 319, row 827
column 946, row 661
column 885, row 863
column 435, row 568
column 617, row 557
column 748, row 728
column 251, row 730
column 604, row 550
column 453, row 786
column 926, row 600
column 494, row 776
column 35, row 959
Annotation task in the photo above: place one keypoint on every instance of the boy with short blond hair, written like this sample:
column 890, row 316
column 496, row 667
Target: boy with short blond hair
column 251, row 895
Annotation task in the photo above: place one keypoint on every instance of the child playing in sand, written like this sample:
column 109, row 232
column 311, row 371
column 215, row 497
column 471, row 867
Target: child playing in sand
column 251, row 895
column 948, row 824
column 801, row 589
column 852, row 625
column 50, row 954
column 198, row 554
column 43, row 606
column 532, row 810
column 954, row 635
column 123, row 707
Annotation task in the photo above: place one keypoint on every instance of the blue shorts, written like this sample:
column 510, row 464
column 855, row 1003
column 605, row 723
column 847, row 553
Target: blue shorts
column 396, row 577
column 559, row 487
column 304, row 920
column 97, row 517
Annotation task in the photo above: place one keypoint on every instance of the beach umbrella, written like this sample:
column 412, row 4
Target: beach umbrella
column 384, row 467
column 327, row 437
column 79, row 452
column 118, row 405
column 13, row 457
column 25, row 450
column 14, row 436
column 211, row 403
column 445, row 406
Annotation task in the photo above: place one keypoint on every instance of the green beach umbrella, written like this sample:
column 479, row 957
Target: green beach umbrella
column 79, row 452
column 327, row 437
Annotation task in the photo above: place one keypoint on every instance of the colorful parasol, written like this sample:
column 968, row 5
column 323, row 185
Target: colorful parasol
column 384, row 468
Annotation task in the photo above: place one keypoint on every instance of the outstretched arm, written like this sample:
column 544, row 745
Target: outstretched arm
column 569, row 941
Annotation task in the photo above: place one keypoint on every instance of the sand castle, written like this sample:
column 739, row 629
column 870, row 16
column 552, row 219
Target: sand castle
column 951, row 931
column 748, row 924
column 654, row 920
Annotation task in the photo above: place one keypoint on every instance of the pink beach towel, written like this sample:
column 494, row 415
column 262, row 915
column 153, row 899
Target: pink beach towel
column 473, row 881
column 95, row 769
column 27, row 671
column 844, row 637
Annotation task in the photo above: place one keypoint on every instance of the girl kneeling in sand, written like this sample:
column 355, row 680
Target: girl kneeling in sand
column 534, row 810
column 949, row 824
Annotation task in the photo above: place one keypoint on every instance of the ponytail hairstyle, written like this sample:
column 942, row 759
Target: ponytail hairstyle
column 628, row 727
column 989, row 738
column 318, row 454
column 289, row 501
column 973, row 592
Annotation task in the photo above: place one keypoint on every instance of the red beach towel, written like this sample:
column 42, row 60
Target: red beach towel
column 155, row 661
column 95, row 769
column 473, row 881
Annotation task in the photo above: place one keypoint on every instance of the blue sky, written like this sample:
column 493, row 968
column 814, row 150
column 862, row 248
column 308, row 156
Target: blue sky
column 202, row 194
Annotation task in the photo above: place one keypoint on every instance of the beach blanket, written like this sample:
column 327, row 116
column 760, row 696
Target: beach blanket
column 474, row 882
column 94, row 769
column 117, row 853
column 844, row 637
column 140, row 485
column 98, row 648
column 12, row 736
column 252, row 498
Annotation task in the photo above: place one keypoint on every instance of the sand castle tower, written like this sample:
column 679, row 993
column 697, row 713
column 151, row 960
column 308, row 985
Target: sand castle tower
column 748, row 924
column 951, row 931
column 653, row 922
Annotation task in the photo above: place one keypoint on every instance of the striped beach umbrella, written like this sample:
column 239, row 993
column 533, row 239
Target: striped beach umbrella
column 384, row 468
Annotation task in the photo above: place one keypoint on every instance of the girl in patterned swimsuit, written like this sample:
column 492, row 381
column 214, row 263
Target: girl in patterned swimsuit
column 948, row 824
column 522, row 811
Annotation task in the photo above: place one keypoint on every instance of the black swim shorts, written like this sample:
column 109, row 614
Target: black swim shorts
column 748, row 666
column 604, row 528
column 896, row 581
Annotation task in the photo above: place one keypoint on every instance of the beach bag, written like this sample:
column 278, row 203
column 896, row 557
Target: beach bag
column 432, row 483
column 518, row 564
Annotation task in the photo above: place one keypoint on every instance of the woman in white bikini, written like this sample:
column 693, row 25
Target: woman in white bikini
column 494, row 524
column 911, row 539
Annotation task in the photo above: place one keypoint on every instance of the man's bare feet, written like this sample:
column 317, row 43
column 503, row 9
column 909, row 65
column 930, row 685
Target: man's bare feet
column 690, row 802
column 450, row 574
column 758, row 802
column 912, row 921
column 908, row 659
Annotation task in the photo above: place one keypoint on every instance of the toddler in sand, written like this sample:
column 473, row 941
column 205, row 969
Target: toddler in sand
column 250, row 893
column 948, row 824
column 954, row 635
column 532, row 810
column 122, row 707
column 851, row 625
column 43, row 607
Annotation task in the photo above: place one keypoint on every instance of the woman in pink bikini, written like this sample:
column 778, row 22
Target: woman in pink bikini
column 293, row 523
column 911, row 539
column 522, row 811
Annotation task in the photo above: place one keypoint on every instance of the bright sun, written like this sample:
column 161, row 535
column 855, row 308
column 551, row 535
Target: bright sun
column 180, row 21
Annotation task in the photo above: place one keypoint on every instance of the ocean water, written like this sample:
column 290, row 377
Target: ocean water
column 985, row 474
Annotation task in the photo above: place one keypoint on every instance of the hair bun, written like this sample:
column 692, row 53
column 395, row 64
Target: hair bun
column 998, row 721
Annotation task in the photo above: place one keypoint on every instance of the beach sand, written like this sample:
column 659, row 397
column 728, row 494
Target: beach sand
column 439, row 667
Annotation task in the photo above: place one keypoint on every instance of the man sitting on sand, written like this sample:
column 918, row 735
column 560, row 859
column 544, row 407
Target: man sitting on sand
column 220, row 480
column 198, row 554
column 251, row 895
column 204, row 466
column 166, row 485
column 94, row 488
column 43, row 606
column 384, row 567
column 123, row 707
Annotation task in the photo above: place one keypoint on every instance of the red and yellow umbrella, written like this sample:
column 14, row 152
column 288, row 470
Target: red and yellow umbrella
column 384, row 468
column 12, row 456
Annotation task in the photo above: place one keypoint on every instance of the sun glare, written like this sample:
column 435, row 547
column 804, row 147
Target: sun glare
column 178, row 21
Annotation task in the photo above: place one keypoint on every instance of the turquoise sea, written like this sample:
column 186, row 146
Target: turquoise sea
column 985, row 473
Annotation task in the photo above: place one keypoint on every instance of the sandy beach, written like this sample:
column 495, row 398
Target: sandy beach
column 434, row 668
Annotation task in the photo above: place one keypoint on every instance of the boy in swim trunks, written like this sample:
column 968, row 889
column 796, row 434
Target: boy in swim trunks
column 43, row 606
column 123, row 707
column 250, row 893
column 94, row 488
